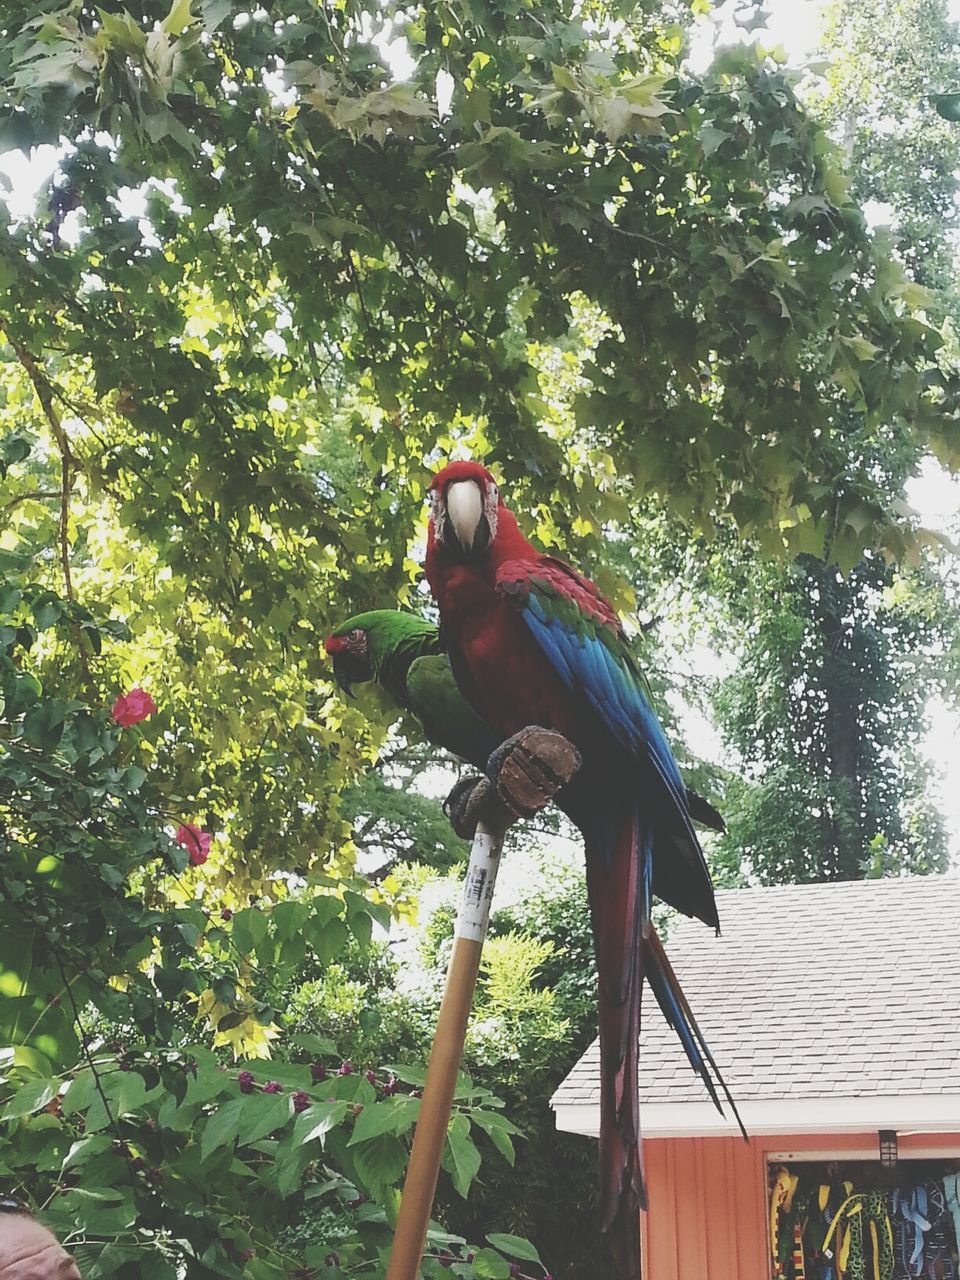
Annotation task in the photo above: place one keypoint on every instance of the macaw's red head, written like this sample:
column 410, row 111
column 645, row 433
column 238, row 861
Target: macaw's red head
column 465, row 509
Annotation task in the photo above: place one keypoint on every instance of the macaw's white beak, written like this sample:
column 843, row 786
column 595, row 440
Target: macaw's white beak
column 465, row 510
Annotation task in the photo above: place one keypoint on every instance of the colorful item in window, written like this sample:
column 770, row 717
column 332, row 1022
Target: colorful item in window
column 862, row 1238
column 951, row 1193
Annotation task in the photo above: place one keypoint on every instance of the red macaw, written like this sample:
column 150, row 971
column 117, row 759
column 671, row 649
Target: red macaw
column 531, row 641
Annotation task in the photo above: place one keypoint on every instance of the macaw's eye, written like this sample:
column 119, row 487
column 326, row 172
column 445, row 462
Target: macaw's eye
column 493, row 491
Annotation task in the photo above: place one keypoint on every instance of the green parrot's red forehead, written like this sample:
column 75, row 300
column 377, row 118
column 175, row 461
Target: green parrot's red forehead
column 343, row 641
column 456, row 471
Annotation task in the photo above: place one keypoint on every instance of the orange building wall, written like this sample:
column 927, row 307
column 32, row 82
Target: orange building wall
column 708, row 1200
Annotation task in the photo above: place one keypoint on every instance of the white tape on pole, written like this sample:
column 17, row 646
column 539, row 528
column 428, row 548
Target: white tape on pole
column 479, row 884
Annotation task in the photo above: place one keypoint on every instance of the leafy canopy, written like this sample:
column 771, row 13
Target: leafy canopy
column 270, row 283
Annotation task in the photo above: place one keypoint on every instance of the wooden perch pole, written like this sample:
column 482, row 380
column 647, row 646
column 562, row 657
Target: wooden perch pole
column 530, row 768
column 431, row 1131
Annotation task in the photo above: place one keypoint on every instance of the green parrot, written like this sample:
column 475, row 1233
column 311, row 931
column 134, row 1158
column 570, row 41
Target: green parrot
column 403, row 654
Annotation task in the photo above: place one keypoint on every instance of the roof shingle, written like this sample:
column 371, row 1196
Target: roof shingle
column 847, row 989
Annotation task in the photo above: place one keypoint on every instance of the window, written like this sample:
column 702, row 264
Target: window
column 833, row 1218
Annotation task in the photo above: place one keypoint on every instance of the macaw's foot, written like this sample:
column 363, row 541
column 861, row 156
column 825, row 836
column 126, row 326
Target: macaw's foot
column 523, row 775
column 473, row 800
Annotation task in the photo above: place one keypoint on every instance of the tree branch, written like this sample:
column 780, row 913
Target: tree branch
column 84, row 1044
column 35, row 495
column 68, row 464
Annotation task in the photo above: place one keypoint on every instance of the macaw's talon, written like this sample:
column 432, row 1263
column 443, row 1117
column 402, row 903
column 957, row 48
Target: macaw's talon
column 472, row 799
column 523, row 774
column 530, row 768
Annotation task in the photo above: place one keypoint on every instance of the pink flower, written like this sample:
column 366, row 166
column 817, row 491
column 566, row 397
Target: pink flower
column 273, row 1086
column 133, row 707
column 301, row 1100
column 195, row 841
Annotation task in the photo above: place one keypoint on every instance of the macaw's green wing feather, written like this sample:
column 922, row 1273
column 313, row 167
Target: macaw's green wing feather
column 448, row 721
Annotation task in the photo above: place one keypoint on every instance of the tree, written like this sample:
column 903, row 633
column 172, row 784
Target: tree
column 826, row 709
column 268, row 285
column 885, row 63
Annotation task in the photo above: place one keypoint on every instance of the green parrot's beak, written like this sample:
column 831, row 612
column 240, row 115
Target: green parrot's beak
column 343, row 673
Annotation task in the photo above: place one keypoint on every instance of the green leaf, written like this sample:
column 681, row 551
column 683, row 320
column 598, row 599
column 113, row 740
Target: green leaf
column 179, row 17
column 711, row 139
column 289, row 919
column 488, row 1265
column 461, row 1158
column 515, row 1246
column 321, row 1045
column 329, row 943
column 215, row 13
column 359, row 916
column 947, row 105
column 79, row 1093
column 206, row 1083
column 262, row 1114
column 290, row 1171
column 249, row 930
column 134, row 777
column 43, row 724
column 14, row 448
column 393, row 1115
column 409, row 1073
column 85, row 1148
column 318, row 1120
column 498, row 1129
column 380, row 1162
column 99, row 1211
column 753, row 22
column 222, row 1128
column 563, row 78
column 30, row 1097
column 862, row 348
column 24, row 1056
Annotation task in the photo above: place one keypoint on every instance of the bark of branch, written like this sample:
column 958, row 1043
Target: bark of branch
column 35, row 495
column 68, row 464
column 85, row 1045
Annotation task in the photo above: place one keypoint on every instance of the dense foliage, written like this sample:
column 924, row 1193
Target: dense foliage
column 888, row 64
column 269, row 283
column 534, row 1013
column 825, row 713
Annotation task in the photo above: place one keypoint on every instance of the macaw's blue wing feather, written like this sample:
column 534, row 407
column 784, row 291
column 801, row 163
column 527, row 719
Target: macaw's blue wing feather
column 586, row 648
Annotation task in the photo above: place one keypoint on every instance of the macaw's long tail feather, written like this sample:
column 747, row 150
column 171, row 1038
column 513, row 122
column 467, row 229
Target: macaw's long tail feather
column 676, row 1009
column 619, row 876
column 619, row 872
